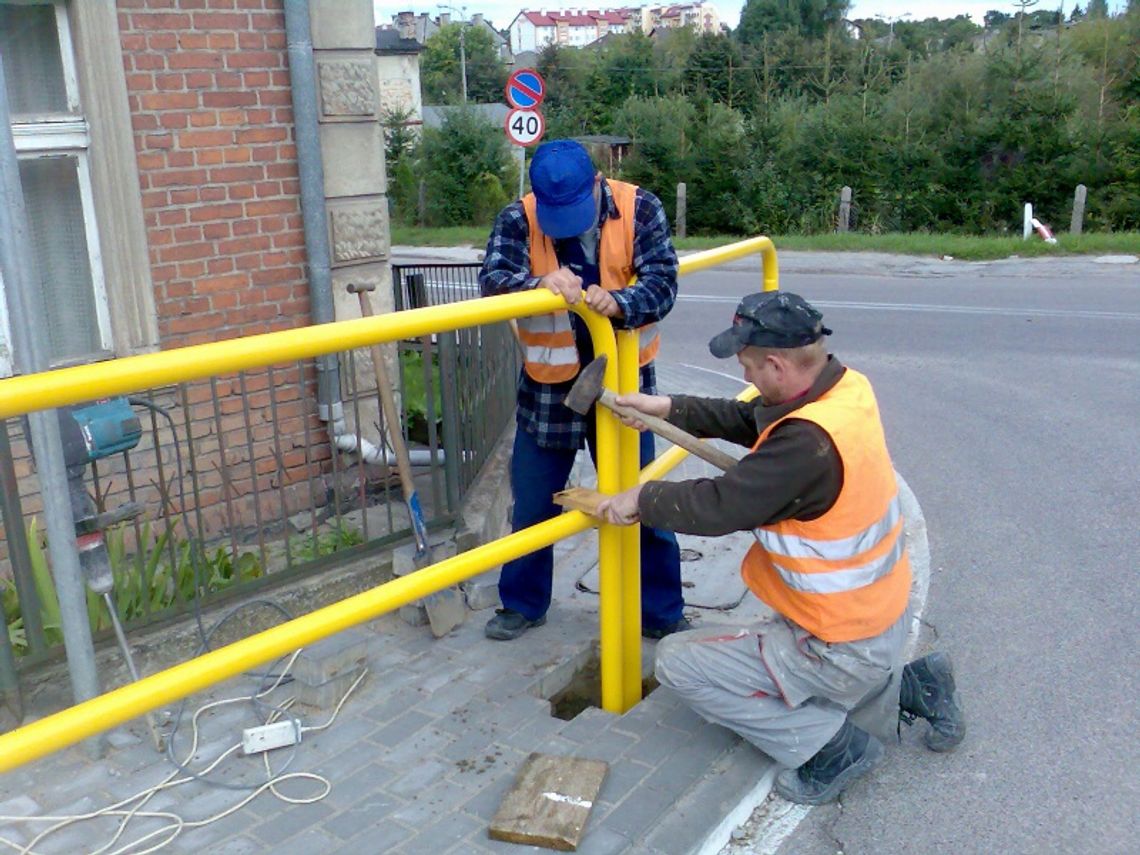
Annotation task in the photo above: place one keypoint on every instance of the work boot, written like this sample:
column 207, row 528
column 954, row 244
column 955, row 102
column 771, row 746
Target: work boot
column 507, row 624
column 657, row 634
column 928, row 692
column 850, row 754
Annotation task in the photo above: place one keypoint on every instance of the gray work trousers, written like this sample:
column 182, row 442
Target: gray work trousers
column 781, row 688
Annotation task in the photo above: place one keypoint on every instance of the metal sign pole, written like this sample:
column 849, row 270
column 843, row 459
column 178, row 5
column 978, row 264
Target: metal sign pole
column 26, row 311
column 522, row 169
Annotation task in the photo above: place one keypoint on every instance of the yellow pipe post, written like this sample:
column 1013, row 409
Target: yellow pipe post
column 609, row 537
column 629, row 376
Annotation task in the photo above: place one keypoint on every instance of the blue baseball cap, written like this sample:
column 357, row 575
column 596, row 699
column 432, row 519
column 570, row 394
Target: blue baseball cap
column 562, row 178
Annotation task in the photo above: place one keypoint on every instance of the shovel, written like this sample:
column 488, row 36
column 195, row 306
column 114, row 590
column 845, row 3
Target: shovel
column 445, row 609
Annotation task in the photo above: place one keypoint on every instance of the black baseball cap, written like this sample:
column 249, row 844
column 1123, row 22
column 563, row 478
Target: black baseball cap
column 770, row 319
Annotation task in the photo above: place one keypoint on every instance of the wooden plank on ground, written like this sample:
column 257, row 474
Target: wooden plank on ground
column 580, row 499
column 550, row 802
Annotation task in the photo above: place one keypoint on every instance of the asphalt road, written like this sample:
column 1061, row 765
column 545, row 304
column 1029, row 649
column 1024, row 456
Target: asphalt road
column 1010, row 392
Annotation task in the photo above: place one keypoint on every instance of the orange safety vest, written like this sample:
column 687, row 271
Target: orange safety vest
column 845, row 575
column 549, row 352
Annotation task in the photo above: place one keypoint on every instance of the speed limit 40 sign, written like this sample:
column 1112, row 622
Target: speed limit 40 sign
column 524, row 127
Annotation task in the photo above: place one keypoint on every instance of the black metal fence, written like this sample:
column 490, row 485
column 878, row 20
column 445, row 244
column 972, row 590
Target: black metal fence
column 240, row 484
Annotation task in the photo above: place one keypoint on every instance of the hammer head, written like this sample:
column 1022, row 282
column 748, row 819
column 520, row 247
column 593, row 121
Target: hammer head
column 587, row 388
column 361, row 287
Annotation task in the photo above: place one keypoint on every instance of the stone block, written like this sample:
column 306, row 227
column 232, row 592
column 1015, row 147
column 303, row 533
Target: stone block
column 331, row 657
column 340, row 24
column 353, row 157
column 482, row 591
column 325, row 695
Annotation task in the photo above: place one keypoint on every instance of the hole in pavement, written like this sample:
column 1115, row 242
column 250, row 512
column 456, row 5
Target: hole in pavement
column 575, row 685
column 691, row 555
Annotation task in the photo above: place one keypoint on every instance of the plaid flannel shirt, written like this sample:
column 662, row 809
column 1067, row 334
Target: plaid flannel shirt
column 506, row 267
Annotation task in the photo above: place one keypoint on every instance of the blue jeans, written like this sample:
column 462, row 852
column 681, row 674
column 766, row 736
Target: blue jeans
column 525, row 583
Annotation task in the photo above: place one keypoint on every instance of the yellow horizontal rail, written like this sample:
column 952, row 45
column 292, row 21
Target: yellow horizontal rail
column 63, row 386
column 113, row 708
column 733, row 251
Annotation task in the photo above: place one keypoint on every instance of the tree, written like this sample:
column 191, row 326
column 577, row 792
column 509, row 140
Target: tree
column 1097, row 9
column 661, row 130
column 808, row 18
column 441, row 72
column 567, row 106
column 715, row 69
column 461, row 158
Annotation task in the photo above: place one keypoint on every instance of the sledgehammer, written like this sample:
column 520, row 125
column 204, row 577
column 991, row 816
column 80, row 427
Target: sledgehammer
column 588, row 390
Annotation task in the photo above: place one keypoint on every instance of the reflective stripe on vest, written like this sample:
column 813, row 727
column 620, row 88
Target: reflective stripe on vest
column 845, row 575
column 833, row 550
column 835, row 581
column 549, row 352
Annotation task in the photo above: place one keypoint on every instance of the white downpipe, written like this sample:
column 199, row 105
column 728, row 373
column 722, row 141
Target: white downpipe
column 371, row 453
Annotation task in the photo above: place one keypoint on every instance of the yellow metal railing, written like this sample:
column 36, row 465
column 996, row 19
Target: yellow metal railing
column 619, row 563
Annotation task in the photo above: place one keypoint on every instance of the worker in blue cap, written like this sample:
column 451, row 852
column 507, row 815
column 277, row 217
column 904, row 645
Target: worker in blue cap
column 585, row 237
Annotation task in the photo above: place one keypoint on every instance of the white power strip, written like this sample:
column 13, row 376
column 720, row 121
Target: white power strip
column 266, row 737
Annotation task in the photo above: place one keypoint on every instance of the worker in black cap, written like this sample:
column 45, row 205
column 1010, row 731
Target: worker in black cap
column 821, row 684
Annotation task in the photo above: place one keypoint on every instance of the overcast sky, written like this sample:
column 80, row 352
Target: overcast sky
column 502, row 12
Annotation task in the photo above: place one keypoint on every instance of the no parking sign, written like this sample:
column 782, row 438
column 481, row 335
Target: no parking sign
column 525, row 89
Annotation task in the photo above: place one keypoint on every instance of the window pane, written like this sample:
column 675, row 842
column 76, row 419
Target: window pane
column 59, row 243
column 29, row 43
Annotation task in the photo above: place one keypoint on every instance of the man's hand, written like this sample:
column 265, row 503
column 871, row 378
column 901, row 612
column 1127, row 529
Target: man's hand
column 564, row 282
column 622, row 508
column 602, row 302
column 651, row 405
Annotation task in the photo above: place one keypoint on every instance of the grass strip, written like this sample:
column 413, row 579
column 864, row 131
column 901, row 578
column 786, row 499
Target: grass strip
column 964, row 247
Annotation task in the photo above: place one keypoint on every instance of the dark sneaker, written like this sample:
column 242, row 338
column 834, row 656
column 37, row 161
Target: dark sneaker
column 657, row 634
column 850, row 754
column 508, row 624
column 928, row 692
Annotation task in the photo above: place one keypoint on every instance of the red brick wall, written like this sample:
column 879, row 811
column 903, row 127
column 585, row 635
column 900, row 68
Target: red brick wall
column 209, row 97
column 210, row 101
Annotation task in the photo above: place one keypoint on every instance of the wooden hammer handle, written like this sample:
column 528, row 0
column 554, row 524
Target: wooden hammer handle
column 671, row 432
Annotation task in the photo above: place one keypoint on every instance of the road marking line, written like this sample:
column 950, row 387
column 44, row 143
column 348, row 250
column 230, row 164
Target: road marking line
column 934, row 308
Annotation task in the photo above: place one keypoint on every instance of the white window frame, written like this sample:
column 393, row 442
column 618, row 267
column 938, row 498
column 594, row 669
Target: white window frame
column 96, row 130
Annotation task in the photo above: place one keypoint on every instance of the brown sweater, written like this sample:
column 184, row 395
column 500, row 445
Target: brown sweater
column 796, row 474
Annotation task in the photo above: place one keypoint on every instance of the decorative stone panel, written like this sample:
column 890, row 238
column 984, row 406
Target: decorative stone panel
column 359, row 230
column 348, row 89
column 396, row 95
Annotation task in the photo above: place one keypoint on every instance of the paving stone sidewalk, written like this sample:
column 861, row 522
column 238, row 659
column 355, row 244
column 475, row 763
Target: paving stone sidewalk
column 421, row 754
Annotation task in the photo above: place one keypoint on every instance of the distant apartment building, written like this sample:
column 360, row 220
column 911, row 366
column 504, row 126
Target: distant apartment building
column 532, row 31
